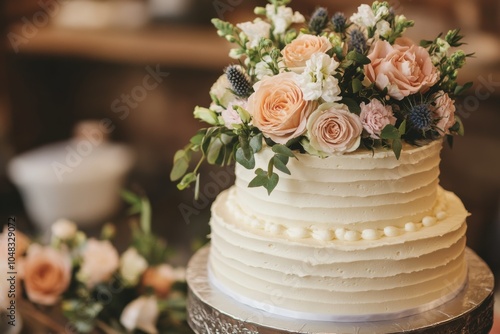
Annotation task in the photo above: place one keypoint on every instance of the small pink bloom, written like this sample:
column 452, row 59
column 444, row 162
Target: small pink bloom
column 47, row 274
column 230, row 115
column 375, row 116
column 444, row 112
column 332, row 128
column 278, row 107
column 403, row 68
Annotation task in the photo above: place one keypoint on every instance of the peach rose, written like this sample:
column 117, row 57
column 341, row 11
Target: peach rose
column 47, row 274
column 278, row 107
column 403, row 68
column 301, row 49
column 332, row 128
column 160, row 278
column 375, row 116
column 100, row 261
column 444, row 112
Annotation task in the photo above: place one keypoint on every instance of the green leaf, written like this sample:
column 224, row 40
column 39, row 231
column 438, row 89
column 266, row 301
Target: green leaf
column 186, row 181
column 244, row 115
column 283, row 150
column 356, row 85
column 197, row 138
column 390, row 132
column 206, row 115
column 197, row 188
column 214, row 150
column 256, row 143
column 179, row 168
column 358, row 58
column 280, row 165
column 145, row 216
column 130, row 197
column 242, row 159
column 258, row 181
column 402, row 128
column 459, row 90
column 425, row 43
column 397, row 146
column 352, row 104
column 271, row 183
column 180, row 154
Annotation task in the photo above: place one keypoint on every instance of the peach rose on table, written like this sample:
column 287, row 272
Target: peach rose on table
column 301, row 49
column 100, row 261
column 444, row 111
column 278, row 107
column 160, row 278
column 332, row 128
column 375, row 116
column 47, row 274
column 403, row 68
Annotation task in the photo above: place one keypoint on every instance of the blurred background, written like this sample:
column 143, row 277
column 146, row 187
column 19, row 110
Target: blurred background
column 137, row 68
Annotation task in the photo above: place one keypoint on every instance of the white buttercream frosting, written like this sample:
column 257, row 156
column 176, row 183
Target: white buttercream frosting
column 349, row 236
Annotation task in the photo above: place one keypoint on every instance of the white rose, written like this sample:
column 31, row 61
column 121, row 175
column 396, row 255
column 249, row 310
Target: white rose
column 64, row 229
column 141, row 313
column 255, row 31
column 132, row 265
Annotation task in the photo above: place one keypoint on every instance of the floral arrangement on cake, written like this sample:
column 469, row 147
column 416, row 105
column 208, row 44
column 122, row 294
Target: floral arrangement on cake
column 324, row 86
column 93, row 286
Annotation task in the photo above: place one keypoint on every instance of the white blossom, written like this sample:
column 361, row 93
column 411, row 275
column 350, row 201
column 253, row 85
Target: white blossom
column 255, row 31
column 64, row 229
column 282, row 17
column 317, row 80
column 132, row 265
column 221, row 91
column 364, row 17
column 441, row 52
column 384, row 28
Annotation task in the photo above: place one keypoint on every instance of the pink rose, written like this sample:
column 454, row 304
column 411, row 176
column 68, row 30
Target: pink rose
column 444, row 112
column 375, row 116
column 100, row 261
column 47, row 274
column 332, row 128
column 278, row 107
column 301, row 49
column 403, row 68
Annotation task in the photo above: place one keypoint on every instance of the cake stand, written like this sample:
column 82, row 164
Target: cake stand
column 210, row 311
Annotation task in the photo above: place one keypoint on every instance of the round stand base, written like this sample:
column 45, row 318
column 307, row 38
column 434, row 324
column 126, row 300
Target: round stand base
column 210, row 311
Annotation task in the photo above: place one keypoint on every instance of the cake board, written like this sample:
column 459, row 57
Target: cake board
column 211, row 311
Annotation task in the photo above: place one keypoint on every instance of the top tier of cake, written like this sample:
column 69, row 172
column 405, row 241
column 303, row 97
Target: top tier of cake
column 357, row 191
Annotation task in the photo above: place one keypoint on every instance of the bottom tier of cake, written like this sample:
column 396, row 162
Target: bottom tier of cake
column 405, row 271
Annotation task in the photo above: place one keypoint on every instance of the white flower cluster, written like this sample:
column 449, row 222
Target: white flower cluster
column 318, row 81
column 282, row 17
column 370, row 18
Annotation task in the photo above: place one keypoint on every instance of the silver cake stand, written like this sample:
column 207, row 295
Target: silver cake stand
column 210, row 311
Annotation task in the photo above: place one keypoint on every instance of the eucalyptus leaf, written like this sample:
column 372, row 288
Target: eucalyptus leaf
column 258, row 181
column 213, row 151
column 186, row 181
column 283, row 150
column 242, row 160
column 179, row 168
column 397, row 146
column 280, row 165
column 356, row 85
column 271, row 183
column 402, row 128
column 256, row 143
column 358, row 58
column 197, row 138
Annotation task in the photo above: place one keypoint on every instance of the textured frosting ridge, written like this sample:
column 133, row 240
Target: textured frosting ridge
column 358, row 236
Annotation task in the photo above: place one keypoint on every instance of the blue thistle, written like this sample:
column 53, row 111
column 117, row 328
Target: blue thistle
column 319, row 20
column 339, row 22
column 420, row 117
column 239, row 81
column 357, row 41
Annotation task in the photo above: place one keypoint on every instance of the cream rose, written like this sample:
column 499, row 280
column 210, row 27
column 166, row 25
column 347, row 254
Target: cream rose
column 160, row 279
column 278, row 107
column 301, row 49
column 47, row 274
column 444, row 112
column 403, row 68
column 332, row 128
column 100, row 261
column 64, row 229
column 375, row 116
